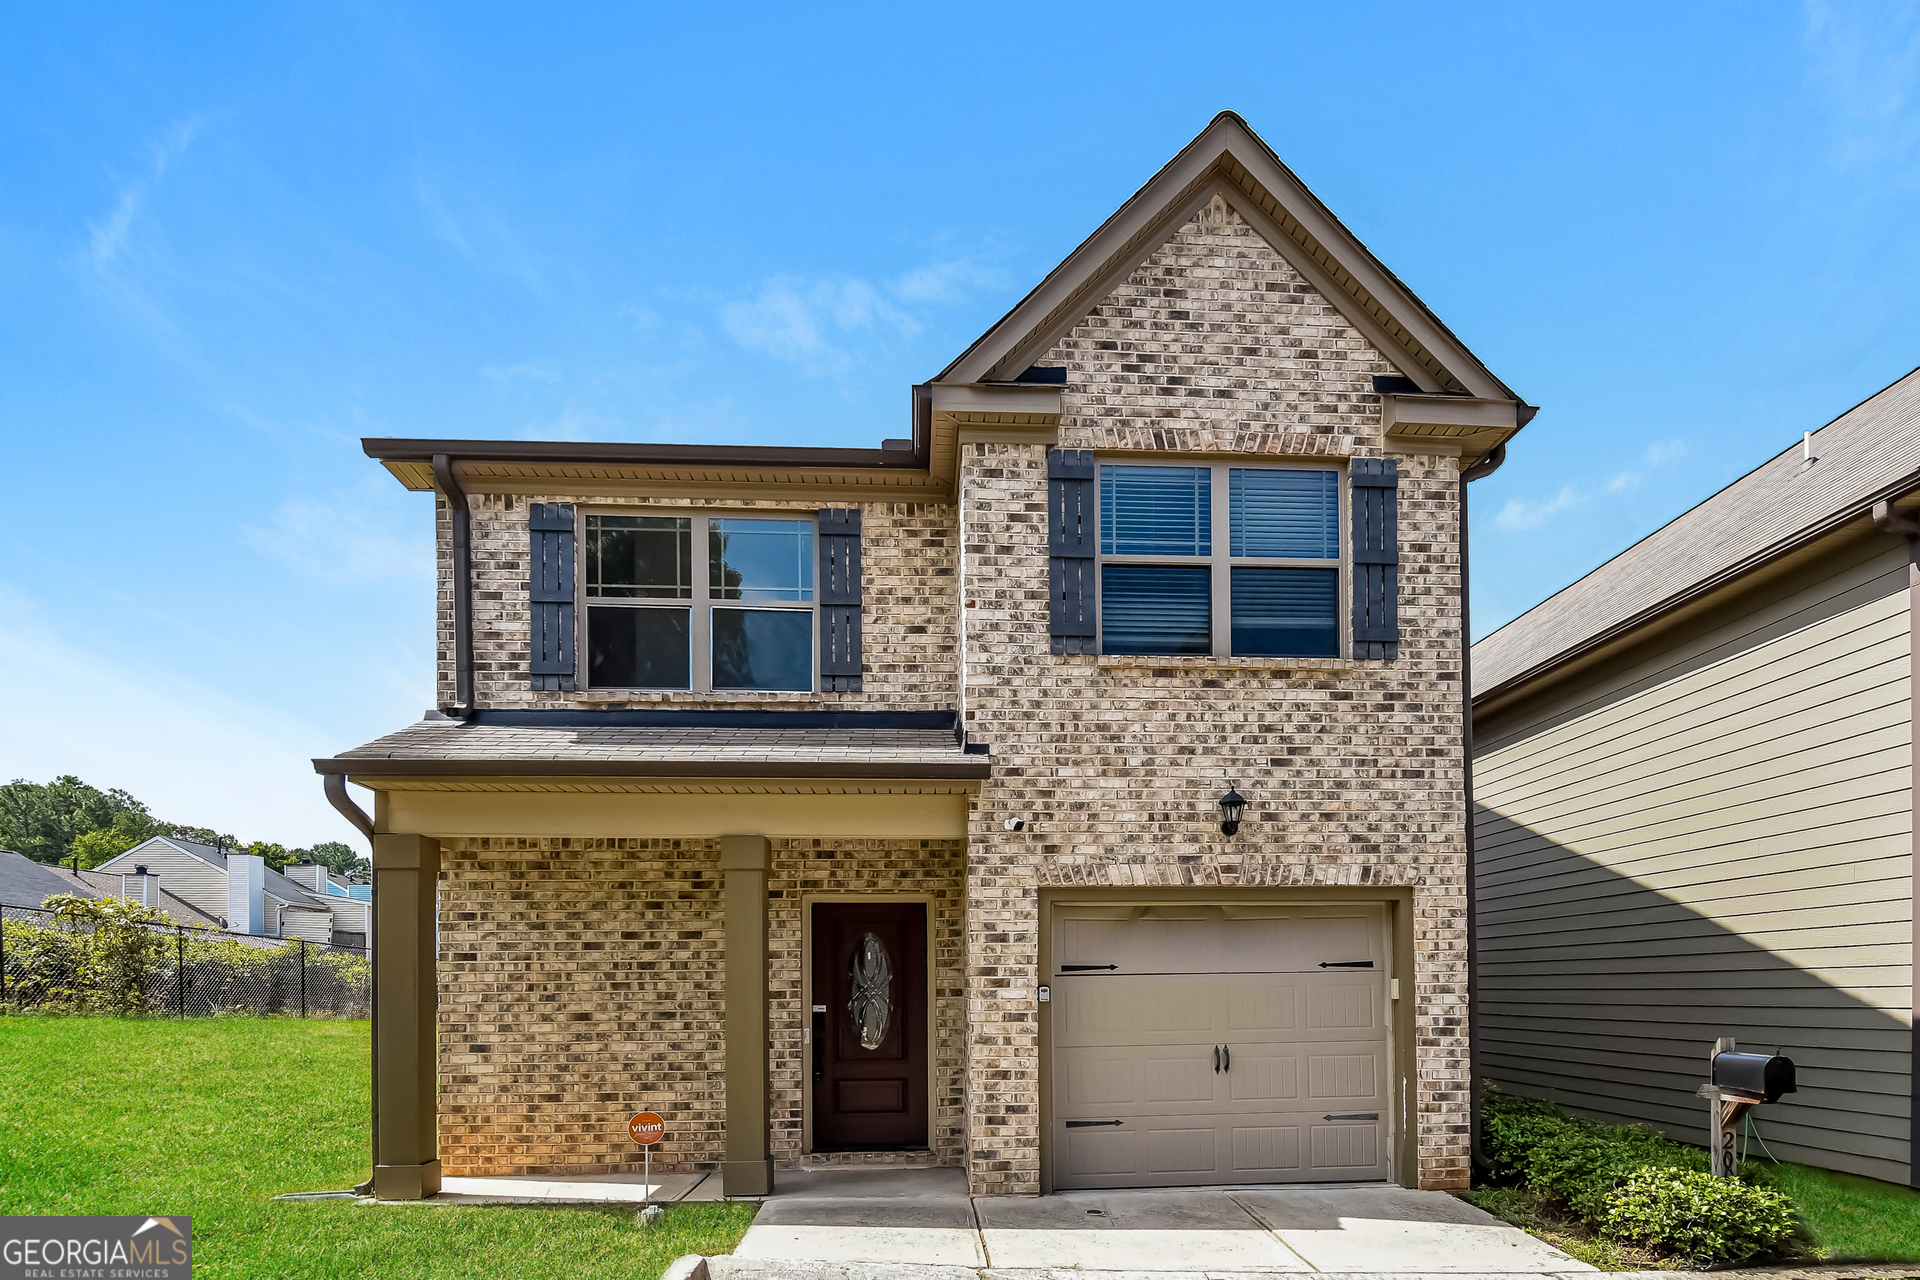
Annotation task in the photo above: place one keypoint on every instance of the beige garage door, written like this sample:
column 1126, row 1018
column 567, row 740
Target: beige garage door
column 1196, row 1045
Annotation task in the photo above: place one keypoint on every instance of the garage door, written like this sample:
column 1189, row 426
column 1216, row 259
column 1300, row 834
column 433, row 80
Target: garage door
column 1196, row 1045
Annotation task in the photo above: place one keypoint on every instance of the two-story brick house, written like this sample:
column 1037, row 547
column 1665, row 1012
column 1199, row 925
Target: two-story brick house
column 857, row 805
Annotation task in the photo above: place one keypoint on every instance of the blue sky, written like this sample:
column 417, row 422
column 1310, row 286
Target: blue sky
column 234, row 242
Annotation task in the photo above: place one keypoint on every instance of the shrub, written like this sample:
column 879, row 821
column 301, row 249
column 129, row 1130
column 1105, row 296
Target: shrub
column 1698, row 1217
column 1632, row 1184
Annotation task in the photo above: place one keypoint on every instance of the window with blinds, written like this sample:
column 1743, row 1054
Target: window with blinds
column 1222, row 560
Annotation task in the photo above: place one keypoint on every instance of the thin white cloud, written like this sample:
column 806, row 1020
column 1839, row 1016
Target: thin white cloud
column 108, row 238
column 191, row 753
column 1521, row 514
column 804, row 323
column 526, row 371
column 479, row 235
column 948, row 281
column 343, row 540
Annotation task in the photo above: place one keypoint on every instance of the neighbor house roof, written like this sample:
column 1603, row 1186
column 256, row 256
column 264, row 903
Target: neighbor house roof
column 26, row 883
column 275, row 884
column 1869, row 454
column 599, row 743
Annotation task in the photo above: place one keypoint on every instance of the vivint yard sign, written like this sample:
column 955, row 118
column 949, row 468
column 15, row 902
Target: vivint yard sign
column 96, row 1248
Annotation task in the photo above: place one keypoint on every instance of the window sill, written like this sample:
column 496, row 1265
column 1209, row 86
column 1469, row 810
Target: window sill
column 654, row 697
column 1306, row 666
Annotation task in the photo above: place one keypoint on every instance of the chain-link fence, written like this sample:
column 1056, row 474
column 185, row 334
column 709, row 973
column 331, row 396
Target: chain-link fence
column 97, row 963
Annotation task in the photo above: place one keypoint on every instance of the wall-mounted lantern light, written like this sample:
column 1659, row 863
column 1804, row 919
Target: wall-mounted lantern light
column 1232, row 805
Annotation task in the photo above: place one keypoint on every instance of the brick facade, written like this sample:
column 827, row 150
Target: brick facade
column 580, row 982
column 574, row 971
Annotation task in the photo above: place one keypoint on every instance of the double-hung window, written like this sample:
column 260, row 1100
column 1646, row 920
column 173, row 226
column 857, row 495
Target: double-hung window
column 699, row 602
column 1219, row 560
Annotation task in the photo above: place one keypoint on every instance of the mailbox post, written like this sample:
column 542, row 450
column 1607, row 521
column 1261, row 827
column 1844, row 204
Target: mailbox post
column 1739, row 1083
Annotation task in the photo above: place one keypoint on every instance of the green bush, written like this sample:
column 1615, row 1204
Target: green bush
column 1698, row 1217
column 1631, row 1184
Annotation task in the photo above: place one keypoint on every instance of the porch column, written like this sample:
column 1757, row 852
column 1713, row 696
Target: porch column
column 405, row 1062
column 748, row 1169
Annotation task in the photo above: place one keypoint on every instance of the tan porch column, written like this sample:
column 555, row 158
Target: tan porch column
column 748, row 1169
column 405, row 1063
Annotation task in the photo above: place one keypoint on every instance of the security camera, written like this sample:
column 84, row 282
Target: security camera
column 1015, row 824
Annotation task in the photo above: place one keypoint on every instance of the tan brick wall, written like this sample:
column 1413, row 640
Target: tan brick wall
column 1353, row 770
column 908, row 628
column 581, row 981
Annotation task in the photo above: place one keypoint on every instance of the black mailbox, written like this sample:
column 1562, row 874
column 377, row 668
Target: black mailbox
column 1763, row 1075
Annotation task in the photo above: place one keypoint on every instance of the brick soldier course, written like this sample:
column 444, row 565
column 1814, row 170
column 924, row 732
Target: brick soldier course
column 1222, row 315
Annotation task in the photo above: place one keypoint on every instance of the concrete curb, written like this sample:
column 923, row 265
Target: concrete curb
column 688, row 1266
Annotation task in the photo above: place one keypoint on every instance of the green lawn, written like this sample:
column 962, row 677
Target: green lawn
column 213, row 1118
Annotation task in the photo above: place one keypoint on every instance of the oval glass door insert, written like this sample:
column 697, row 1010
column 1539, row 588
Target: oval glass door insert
column 871, row 1003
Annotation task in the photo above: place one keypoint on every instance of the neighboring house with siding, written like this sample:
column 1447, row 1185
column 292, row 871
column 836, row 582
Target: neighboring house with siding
column 1694, row 807
column 865, row 805
column 26, row 883
column 246, row 896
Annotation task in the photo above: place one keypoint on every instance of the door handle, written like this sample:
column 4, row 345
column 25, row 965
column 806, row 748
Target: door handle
column 1092, row 1124
column 1346, row 964
column 1226, row 1051
column 1088, row 968
column 1216, row 1059
column 1368, row 1115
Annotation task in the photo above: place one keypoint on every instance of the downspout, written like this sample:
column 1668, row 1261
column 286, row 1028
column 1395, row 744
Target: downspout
column 336, row 785
column 1487, row 465
column 462, row 517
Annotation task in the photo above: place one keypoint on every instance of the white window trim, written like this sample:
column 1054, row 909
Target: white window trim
column 1220, row 609
column 700, row 605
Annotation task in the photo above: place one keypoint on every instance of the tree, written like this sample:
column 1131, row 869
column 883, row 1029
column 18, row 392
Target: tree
column 43, row 821
column 335, row 857
column 276, row 856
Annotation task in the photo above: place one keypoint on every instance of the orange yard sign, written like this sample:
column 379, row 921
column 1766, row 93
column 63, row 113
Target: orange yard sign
column 647, row 1128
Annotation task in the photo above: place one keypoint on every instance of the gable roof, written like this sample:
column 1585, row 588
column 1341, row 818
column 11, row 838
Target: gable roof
column 1230, row 160
column 1868, row 454
column 26, row 883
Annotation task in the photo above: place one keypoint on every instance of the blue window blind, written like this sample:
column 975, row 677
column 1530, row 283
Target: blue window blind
column 1285, row 613
column 1291, row 514
column 1156, row 511
column 1155, row 608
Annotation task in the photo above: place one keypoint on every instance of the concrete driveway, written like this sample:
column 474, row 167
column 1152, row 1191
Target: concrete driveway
column 828, row 1219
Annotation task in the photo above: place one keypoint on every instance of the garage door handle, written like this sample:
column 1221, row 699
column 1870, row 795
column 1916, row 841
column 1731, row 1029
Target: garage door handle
column 1216, row 1059
column 1346, row 964
column 1088, row 968
column 1226, row 1051
column 1092, row 1124
column 1370, row 1115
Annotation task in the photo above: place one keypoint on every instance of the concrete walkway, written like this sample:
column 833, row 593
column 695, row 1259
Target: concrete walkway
column 924, row 1218
column 601, row 1188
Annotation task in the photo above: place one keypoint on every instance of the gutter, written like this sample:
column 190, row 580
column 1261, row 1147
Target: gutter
column 971, row 767
column 336, row 785
column 462, row 514
column 1479, row 470
column 893, row 456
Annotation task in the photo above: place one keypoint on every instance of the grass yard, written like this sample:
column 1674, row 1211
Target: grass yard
column 213, row 1118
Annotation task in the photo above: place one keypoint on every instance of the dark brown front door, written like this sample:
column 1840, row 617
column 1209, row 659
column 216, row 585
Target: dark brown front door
column 869, row 1025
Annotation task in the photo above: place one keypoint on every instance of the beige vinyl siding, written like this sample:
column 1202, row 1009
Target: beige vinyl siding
column 314, row 926
column 1712, row 836
column 182, row 874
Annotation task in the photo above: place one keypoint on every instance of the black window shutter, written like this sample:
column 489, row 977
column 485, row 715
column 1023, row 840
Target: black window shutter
column 1376, row 557
column 1070, row 550
column 839, row 532
column 550, row 594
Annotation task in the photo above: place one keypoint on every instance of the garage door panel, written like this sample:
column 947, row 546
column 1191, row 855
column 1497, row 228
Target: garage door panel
column 1265, row 1151
column 1116, row 1010
column 1264, row 1076
column 1103, row 1082
column 1300, row 1092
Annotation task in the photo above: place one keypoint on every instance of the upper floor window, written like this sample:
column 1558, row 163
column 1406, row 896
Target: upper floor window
column 744, row 620
column 1222, row 560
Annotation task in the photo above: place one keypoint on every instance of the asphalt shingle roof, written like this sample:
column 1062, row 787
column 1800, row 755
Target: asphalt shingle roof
column 26, row 883
column 681, row 750
column 1870, row 452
